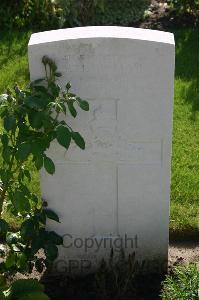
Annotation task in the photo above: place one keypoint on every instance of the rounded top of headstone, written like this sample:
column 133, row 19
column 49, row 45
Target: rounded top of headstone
column 102, row 32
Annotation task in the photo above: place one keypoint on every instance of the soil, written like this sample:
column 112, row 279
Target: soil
column 143, row 288
column 183, row 252
column 146, row 287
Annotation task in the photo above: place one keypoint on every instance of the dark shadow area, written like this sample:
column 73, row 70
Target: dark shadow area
column 185, row 243
column 187, row 54
column 187, row 235
column 120, row 277
column 84, row 288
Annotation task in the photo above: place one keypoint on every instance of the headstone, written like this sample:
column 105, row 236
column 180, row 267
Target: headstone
column 114, row 194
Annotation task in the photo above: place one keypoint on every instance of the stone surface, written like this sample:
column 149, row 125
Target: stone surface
column 118, row 188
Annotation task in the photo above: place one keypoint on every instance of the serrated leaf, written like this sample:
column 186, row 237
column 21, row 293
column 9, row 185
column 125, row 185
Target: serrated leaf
column 6, row 153
column 63, row 136
column 36, row 102
column 37, row 148
column 40, row 88
column 49, row 165
column 71, row 108
column 23, row 151
column 78, row 139
column 51, row 215
column 37, row 81
column 20, row 202
column 51, row 251
column 27, row 229
column 83, row 104
column 68, row 86
column 4, row 139
column 55, row 89
column 63, row 108
column 36, row 244
column 55, row 238
column 58, row 74
column 39, row 162
column 4, row 227
column 35, row 296
column 36, row 119
column 9, row 122
column 24, row 286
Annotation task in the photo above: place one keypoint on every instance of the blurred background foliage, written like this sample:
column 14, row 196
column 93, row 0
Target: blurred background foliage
column 53, row 14
column 39, row 15
column 185, row 6
column 23, row 14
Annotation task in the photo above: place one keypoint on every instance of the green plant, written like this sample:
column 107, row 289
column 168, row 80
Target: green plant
column 31, row 121
column 80, row 12
column 22, row 289
column 183, row 284
column 185, row 6
column 117, row 12
column 114, row 279
column 52, row 14
column 101, row 12
column 38, row 14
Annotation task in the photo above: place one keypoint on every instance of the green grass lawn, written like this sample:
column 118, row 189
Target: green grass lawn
column 185, row 162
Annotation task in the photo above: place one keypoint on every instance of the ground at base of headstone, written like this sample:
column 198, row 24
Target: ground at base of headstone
column 143, row 288
column 183, row 252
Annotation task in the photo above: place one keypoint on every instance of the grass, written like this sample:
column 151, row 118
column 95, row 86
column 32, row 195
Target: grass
column 13, row 59
column 182, row 284
column 14, row 69
column 185, row 161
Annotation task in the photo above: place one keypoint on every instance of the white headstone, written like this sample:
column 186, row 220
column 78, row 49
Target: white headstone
column 116, row 192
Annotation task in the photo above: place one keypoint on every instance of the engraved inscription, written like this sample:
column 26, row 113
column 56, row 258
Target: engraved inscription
column 105, row 142
column 142, row 152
